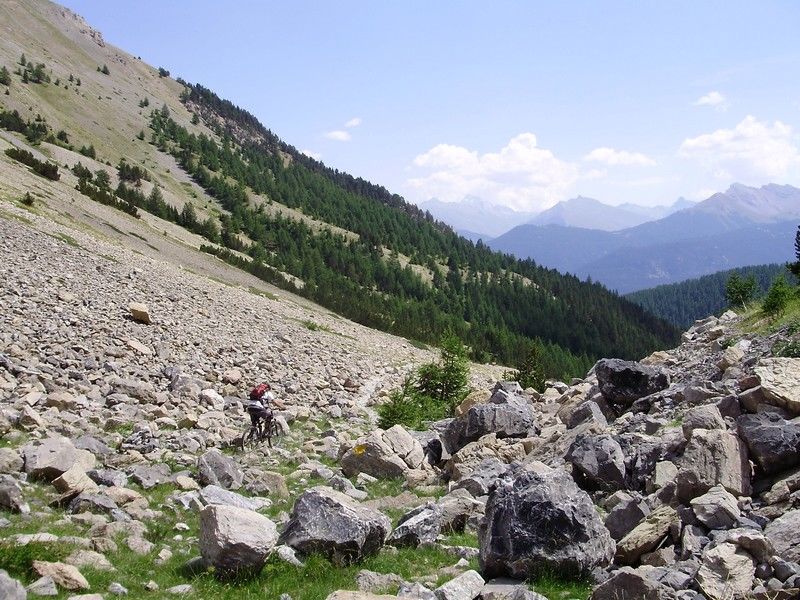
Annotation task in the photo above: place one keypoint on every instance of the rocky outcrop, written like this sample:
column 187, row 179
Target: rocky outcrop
column 540, row 521
column 333, row 524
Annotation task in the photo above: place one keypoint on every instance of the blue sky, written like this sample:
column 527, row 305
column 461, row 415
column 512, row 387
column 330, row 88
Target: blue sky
column 519, row 103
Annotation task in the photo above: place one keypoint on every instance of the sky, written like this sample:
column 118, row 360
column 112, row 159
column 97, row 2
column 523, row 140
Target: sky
column 518, row 103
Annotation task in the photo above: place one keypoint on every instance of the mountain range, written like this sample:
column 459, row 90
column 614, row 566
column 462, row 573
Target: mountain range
column 741, row 226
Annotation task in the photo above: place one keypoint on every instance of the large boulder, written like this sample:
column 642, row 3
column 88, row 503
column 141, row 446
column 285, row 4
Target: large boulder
column 713, row 457
column 647, row 535
column 466, row 586
column 773, row 442
column 783, row 533
column 727, row 572
column 384, row 454
column 717, row 508
column 623, row 382
column 469, row 458
column 538, row 522
column 333, row 524
column 53, row 456
column 506, row 415
column 235, row 540
column 418, row 527
column 597, row 462
column 780, row 382
column 214, row 468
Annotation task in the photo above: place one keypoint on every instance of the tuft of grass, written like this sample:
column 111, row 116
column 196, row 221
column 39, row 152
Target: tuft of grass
column 18, row 560
column 262, row 293
column 466, row 538
column 67, row 239
column 314, row 326
column 554, row 586
column 386, row 487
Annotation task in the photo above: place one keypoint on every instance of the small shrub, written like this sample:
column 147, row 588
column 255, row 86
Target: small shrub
column 27, row 199
column 777, row 297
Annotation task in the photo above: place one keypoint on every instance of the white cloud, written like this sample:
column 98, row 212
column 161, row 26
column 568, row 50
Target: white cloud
column 613, row 158
column 354, row 122
column 521, row 175
column 714, row 99
column 311, row 154
column 340, row 135
column 752, row 152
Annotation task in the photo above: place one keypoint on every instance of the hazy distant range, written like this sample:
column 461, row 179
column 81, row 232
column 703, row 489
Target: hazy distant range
column 631, row 247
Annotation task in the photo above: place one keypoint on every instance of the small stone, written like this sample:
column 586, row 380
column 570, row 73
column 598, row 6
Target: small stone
column 117, row 589
column 139, row 312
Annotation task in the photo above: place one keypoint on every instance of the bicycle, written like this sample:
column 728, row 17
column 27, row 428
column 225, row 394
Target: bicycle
column 265, row 429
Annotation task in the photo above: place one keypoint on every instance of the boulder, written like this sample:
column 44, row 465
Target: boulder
column 383, row 454
column 538, row 522
column 139, row 312
column 505, row 415
column 213, row 494
column 783, row 533
column 713, row 457
column 53, row 456
column 780, row 382
column 466, row 586
column 716, row 509
column 702, row 417
column 74, row 481
column 10, row 461
column 773, row 442
column 624, row 516
column 503, row 588
column 214, row 468
column 457, row 509
column 66, row 576
column 10, row 588
column 631, row 583
column 149, row 476
column 647, row 535
column 483, row 477
column 623, row 382
column 11, row 498
column 235, row 540
column 464, row 462
column 727, row 572
column 597, row 462
column 418, row 527
column 333, row 524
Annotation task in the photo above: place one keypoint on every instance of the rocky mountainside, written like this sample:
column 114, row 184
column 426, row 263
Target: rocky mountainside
column 676, row 477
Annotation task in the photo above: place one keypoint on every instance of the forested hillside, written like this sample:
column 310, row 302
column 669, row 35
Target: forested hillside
column 191, row 158
column 683, row 303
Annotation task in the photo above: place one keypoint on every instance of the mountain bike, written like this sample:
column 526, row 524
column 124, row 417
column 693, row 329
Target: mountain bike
column 265, row 429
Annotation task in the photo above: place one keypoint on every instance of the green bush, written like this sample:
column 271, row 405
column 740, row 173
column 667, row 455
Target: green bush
column 777, row 297
column 432, row 392
column 531, row 373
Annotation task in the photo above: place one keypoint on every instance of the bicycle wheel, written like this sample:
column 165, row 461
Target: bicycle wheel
column 250, row 437
column 274, row 433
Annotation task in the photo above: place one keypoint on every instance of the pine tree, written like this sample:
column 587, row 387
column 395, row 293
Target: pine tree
column 777, row 297
column 739, row 291
column 5, row 76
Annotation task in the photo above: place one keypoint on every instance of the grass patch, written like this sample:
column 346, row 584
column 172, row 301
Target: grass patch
column 262, row 293
column 314, row 326
column 465, row 538
column 386, row 487
column 556, row 587
column 8, row 216
column 18, row 560
column 67, row 239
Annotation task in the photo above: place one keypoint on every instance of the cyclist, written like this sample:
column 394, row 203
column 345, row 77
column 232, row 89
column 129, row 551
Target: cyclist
column 259, row 407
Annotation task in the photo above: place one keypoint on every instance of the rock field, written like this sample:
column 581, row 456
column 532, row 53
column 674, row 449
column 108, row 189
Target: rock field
column 121, row 387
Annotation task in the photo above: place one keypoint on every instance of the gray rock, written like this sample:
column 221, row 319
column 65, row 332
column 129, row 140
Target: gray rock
column 53, row 456
column 631, row 583
column 10, row 588
column 212, row 494
column 505, row 415
column 457, row 509
column 623, row 382
column 235, row 540
column 626, row 515
column 780, row 382
column 333, row 524
column 587, row 412
column 773, row 442
column 727, row 572
column 597, row 462
column 94, row 503
column 466, row 586
column 418, row 527
column 11, row 496
column 10, row 461
column 108, row 477
column 540, row 521
column 783, row 533
column 713, row 457
column 214, row 468
column 370, row 581
column 647, row 535
column 702, row 417
column 717, row 508
column 149, row 476
column 483, row 477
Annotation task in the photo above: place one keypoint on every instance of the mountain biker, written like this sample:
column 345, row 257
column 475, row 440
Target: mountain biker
column 259, row 407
